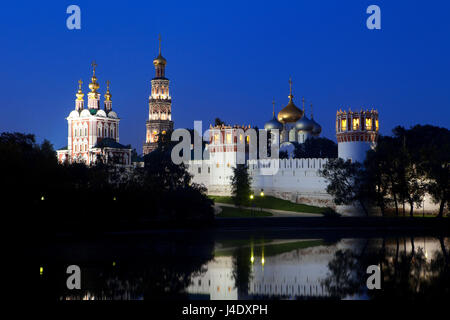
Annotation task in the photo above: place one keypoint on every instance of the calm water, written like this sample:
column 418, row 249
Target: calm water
column 242, row 266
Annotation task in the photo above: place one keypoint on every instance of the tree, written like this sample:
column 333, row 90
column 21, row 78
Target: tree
column 430, row 147
column 346, row 182
column 240, row 185
column 218, row 122
column 316, row 148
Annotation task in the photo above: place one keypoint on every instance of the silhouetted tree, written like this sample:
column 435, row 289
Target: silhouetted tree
column 346, row 182
column 316, row 148
column 240, row 185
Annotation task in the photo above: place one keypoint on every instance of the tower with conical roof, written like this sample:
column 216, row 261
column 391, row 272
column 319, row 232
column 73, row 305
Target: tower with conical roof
column 160, row 105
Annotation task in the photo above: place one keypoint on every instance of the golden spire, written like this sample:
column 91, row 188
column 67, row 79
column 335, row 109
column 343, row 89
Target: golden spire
column 303, row 102
column 93, row 85
column 290, row 89
column 80, row 93
column 159, row 60
column 159, row 39
column 273, row 104
column 107, row 94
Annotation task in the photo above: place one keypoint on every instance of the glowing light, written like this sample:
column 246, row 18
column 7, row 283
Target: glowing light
column 251, row 197
column 41, row 270
column 368, row 124
column 356, row 124
column 263, row 261
column 42, row 198
column 114, row 263
column 262, row 193
column 252, row 259
column 344, row 124
column 114, row 199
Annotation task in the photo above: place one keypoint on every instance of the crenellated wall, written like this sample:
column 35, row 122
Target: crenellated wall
column 296, row 180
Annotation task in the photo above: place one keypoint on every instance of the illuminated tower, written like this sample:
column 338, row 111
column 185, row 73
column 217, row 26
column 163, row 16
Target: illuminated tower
column 160, row 105
column 356, row 133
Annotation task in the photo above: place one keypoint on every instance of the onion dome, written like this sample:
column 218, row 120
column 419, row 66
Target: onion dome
column 94, row 84
column 159, row 60
column 317, row 129
column 107, row 94
column 273, row 123
column 290, row 113
column 304, row 124
column 80, row 93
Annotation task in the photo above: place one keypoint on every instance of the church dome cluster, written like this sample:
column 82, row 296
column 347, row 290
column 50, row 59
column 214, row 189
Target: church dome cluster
column 293, row 122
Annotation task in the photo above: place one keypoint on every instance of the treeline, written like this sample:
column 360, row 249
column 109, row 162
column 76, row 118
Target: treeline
column 400, row 171
column 45, row 193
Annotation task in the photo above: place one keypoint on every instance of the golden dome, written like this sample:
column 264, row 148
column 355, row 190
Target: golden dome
column 94, row 85
column 290, row 113
column 107, row 94
column 80, row 93
column 159, row 60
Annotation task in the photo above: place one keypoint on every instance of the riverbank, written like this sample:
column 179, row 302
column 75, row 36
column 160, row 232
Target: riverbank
column 298, row 227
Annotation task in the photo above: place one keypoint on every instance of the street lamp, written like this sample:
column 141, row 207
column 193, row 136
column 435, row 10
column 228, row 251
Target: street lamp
column 262, row 196
column 251, row 203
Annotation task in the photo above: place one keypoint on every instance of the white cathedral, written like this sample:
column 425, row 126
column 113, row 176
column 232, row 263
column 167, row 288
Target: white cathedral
column 93, row 133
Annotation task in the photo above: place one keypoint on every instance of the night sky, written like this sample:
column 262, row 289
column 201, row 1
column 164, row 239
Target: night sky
column 225, row 59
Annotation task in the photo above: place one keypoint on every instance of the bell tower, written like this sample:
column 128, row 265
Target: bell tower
column 160, row 105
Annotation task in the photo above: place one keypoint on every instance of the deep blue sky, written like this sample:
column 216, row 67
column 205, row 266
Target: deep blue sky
column 226, row 59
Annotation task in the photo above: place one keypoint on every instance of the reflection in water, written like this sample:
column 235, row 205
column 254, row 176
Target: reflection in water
column 202, row 268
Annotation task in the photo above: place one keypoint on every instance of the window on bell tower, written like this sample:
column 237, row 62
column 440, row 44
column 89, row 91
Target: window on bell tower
column 356, row 124
column 368, row 124
column 344, row 124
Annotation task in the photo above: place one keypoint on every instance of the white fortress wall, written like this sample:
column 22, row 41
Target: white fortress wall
column 297, row 180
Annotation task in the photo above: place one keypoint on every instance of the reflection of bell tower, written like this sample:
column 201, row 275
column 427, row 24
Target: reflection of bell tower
column 160, row 105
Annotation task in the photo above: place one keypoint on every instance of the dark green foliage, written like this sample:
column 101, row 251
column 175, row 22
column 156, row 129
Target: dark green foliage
column 240, row 185
column 218, row 122
column 402, row 168
column 346, row 182
column 316, row 148
column 46, row 193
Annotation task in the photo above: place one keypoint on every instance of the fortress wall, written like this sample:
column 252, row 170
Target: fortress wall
column 296, row 180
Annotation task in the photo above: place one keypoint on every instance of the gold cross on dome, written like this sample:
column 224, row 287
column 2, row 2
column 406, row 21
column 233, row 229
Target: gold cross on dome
column 290, row 86
column 159, row 39
column 273, row 104
column 93, row 64
column 107, row 84
column 80, row 82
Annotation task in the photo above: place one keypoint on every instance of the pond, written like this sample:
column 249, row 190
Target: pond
column 239, row 265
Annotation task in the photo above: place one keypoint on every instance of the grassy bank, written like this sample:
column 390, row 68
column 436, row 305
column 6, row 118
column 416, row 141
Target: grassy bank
column 269, row 202
column 230, row 212
column 268, row 249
